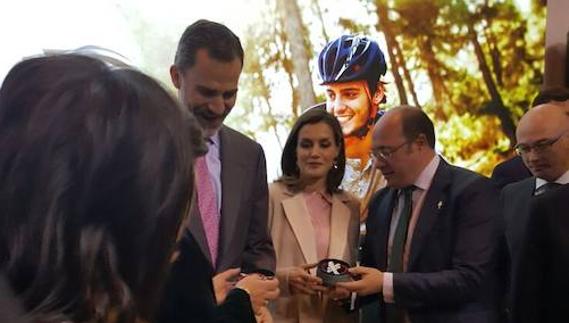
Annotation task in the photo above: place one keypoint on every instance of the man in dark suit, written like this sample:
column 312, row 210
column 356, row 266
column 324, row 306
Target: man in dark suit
column 428, row 252
column 541, row 136
column 542, row 283
column 228, row 216
column 510, row 171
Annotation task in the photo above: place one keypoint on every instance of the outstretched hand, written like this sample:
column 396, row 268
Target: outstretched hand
column 261, row 290
column 301, row 281
column 223, row 283
column 371, row 281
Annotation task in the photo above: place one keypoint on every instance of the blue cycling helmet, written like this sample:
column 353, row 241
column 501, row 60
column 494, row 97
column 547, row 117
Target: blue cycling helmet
column 352, row 58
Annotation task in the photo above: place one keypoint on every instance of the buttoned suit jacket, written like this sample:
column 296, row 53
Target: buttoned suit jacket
column 541, row 284
column 294, row 240
column 450, row 272
column 244, row 240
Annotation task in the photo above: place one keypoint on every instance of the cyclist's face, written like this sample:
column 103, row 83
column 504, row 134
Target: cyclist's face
column 350, row 103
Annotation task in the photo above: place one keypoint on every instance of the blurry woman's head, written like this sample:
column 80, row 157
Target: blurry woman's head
column 95, row 175
column 314, row 152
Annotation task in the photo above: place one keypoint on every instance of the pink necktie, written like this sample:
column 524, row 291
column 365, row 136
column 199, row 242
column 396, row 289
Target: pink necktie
column 207, row 204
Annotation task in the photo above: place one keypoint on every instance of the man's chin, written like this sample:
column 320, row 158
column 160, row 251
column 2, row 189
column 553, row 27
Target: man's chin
column 347, row 129
column 210, row 132
column 209, row 128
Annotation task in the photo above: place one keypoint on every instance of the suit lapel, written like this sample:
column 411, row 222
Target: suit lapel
column 517, row 213
column 231, row 174
column 339, row 227
column 196, row 227
column 434, row 202
column 297, row 215
column 383, row 214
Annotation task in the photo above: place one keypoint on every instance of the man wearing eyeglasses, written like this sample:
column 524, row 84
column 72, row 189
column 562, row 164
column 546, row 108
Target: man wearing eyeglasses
column 428, row 253
column 514, row 169
column 543, row 145
column 541, row 285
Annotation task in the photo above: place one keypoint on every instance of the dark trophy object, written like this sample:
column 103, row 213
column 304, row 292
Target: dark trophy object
column 332, row 271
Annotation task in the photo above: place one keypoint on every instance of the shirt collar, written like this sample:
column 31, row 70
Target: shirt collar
column 426, row 177
column 563, row 179
column 213, row 140
column 326, row 197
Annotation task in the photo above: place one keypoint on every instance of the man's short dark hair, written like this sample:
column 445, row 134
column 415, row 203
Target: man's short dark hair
column 551, row 94
column 219, row 41
column 414, row 122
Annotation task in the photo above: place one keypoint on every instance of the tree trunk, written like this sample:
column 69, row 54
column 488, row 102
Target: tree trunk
column 318, row 12
column 286, row 63
column 294, row 28
column 496, row 106
column 433, row 69
column 384, row 25
column 406, row 73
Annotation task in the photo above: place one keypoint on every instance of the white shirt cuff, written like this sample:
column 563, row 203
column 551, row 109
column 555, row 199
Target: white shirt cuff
column 388, row 288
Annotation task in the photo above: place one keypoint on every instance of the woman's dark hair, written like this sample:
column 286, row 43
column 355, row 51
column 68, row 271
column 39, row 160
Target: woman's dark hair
column 95, row 172
column 291, row 173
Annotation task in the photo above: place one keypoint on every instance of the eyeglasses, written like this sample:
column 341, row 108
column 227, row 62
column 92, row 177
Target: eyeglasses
column 386, row 152
column 538, row 147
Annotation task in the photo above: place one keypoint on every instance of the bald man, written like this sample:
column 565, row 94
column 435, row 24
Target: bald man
column 430, row 240
column 544, row 147
column 514, row 169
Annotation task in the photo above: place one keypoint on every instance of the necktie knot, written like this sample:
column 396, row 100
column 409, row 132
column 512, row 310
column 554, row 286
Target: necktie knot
column 546, row 188
column 408, row 190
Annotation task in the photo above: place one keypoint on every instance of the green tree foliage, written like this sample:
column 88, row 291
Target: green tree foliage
column 482, row 59
column 267, row 99
column 484, row 63
column 473, row 65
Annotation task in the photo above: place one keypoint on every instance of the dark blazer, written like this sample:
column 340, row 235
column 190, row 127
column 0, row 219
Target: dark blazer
column 510, row 171
column 189, row 295
column 515, row 200
column 244, row 239
column 541, row 285
column 450, row 275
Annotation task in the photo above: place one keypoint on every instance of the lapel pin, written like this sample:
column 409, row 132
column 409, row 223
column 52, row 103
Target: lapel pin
column 440, row 205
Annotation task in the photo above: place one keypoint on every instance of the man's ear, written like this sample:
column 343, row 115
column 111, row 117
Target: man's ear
column 421, row 140
column 175, row 76
column 379, row 94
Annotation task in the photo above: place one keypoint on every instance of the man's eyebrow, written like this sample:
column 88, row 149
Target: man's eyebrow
column 232, row 91
column 206, row 89
column 350, row 89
